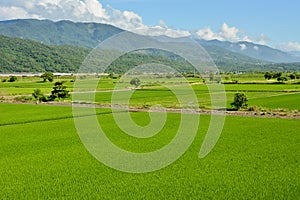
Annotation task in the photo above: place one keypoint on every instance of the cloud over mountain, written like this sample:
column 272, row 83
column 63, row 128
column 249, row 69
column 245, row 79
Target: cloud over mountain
column 289, row 46
column 82, row 11
column 232, row 34
column 94, row 11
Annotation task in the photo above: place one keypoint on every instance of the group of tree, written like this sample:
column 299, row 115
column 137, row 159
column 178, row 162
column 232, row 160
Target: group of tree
column 12, row 79
column 270, row 75
column 279, row 76
column 294, row 76
column 59, row 92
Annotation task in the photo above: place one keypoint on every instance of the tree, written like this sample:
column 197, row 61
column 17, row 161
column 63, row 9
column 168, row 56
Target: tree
column 281, row 79
column 12, row 79
column 47, row 76
column 268, row 75
column 38, row 96
column 240, row 101
column 292, row 76
column 135, row 81
column 59, row 91
column 277, row 75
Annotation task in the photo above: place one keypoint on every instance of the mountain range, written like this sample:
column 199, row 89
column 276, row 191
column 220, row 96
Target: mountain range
column 257, row 51
column 86, row 35
column 71, row 41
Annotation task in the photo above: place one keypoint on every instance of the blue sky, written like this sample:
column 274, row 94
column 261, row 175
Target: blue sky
column 271, row 22
column 279, row 20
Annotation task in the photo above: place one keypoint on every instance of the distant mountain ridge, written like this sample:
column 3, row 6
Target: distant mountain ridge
column 52, row 36
column 257, row 51
column 86, row 35
column 22, row 55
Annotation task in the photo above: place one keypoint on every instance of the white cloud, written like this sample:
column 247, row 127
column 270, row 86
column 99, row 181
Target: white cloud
column 262, row 39
column 162, row 23
column 162, row 29
column 82, row 11
column 208, row 34
column 229, row 33
column 11, row 12
column 75, row 10
column 243, row 47
column 256, row 48
column 226, row 33
column 126, row 19
column 232, row 34
column 289, row 46
column 246, row 39
column 94, row 11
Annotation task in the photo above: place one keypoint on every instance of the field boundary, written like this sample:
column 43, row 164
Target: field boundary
column 261, row 114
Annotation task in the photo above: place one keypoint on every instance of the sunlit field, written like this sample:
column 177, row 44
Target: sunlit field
column 42, row 157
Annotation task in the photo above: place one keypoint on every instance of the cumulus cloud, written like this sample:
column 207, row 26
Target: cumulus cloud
column 75, row 10
column 229, row 33
column 289, row 46
column 262, row 39
column 11, row 12
column 232, row 34
column 208, row 34
column 82, row 11
column 162, row 30
column 226, row 33
column 94, row 11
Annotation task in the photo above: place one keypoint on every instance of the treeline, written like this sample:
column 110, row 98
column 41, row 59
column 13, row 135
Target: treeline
column 152, row 59
column 19, row 55
column 281, row 77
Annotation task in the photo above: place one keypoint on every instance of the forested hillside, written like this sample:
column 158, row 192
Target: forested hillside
column 19, row 55
column 86, row 35
column 22, row 55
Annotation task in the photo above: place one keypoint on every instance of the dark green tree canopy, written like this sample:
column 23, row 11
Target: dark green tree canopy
column 240, row 101
column 12, row 79
column 135, row 81
column 268, row 75
column 47, row 76
column 59, row 91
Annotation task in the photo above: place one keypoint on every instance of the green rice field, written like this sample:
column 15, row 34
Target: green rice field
column 42, row 157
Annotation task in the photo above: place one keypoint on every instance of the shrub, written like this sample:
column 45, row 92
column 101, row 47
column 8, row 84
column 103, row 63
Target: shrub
column 254, row 108
column 12, row 79
column 23, row 98
column 39, row 96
